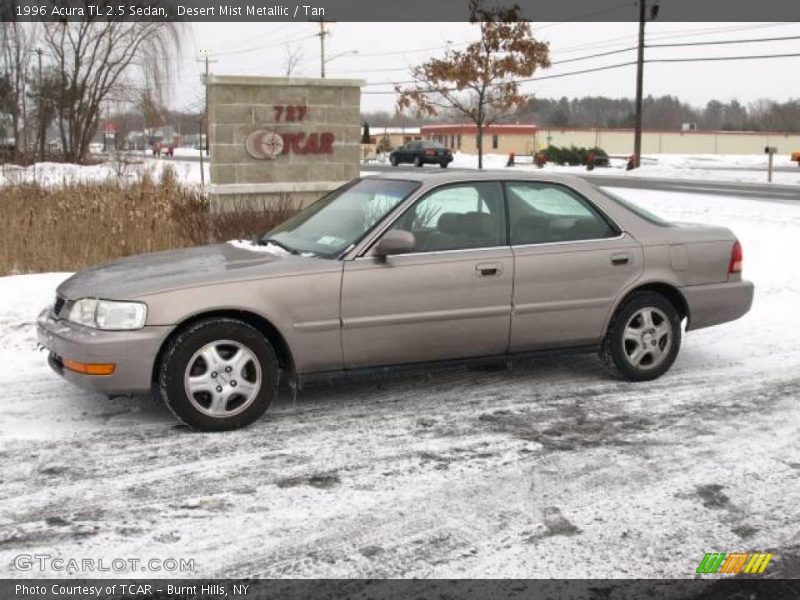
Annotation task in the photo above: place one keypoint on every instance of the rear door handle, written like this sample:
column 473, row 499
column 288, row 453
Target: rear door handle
column 620, row 259
column 488, row 269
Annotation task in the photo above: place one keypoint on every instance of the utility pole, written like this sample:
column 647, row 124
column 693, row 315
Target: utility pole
column 145, row 108
column 322, row 33
column 206, row 53
column 41, row 130
column 637, row 134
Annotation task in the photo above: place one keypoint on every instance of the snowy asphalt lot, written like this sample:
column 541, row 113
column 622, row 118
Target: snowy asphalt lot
column 547, row 469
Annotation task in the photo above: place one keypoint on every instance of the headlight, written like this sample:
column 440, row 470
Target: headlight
column 108, row 314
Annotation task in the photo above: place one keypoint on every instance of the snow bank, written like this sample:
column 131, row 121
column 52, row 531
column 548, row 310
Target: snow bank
column 132, row 168
column 707, row 167
column 22, row 297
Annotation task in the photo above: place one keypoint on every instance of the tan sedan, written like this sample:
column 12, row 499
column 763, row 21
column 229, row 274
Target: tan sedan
column 394, row 271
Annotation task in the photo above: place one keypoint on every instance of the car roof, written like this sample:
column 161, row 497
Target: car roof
column 437, row 178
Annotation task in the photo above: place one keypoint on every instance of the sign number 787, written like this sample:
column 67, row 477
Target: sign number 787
column 290, row 112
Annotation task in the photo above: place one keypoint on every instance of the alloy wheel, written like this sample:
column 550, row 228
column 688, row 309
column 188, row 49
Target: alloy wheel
column 222, row 378
column 647, row 338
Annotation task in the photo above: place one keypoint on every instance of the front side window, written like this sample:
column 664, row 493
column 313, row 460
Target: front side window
column 457, row 217
column 331, row 225
column 544, row 213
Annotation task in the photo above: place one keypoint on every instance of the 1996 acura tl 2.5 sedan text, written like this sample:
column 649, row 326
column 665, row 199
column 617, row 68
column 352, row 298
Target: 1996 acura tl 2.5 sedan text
column 391, row 271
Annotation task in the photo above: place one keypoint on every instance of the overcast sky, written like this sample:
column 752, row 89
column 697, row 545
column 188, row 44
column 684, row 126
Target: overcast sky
column 385, row 51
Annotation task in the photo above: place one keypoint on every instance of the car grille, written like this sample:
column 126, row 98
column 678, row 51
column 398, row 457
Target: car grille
column 58, row 306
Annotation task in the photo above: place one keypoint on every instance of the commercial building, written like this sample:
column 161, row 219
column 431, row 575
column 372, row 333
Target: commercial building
column 528, row 139
column 497, row 139
column 395, row 136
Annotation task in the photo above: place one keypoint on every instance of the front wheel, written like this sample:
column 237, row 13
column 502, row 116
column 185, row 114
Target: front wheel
column 643, row 338
column 219, row 374
column 393, row 160
column 444, row 164
column 418, row 161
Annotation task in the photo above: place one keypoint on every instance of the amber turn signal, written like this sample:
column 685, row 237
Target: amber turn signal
column 89, row 368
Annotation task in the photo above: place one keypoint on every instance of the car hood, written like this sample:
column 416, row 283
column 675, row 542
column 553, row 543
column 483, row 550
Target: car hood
column 147, row 274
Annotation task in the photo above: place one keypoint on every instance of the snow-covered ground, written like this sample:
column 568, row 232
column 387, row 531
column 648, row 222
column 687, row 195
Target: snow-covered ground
column 711, row 167
column 551, row 469
column 129, row 169
column 706, row 167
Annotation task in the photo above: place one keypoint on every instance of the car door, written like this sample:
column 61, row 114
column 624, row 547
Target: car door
column 449, row 298
column 410, row 151
column 570, row 265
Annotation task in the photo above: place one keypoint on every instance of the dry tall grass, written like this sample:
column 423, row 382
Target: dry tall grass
column 80, row 224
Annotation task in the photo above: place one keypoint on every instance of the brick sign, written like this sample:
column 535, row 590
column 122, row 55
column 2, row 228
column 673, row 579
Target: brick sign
column 275, row 140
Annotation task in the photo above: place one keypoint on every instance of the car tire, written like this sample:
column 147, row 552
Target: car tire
column 444, row 164
column 393, row 160
column 219, row 374
column 417, row 161
column 643, row 338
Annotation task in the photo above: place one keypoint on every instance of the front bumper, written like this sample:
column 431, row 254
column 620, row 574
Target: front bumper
column 133, row 353
column 717, row 303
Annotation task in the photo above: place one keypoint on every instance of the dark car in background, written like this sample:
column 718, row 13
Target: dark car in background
column 422, row 152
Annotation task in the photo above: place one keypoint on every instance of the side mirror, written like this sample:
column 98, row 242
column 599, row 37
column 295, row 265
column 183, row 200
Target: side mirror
column 395, row 241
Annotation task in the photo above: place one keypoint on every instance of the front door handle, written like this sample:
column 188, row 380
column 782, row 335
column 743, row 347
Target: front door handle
column 488, row 269
column 620, row 259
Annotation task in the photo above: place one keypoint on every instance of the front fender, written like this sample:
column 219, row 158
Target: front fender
column 304, row 309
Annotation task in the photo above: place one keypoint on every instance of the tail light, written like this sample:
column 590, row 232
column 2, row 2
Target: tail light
column 430, row 152
column 735, row 266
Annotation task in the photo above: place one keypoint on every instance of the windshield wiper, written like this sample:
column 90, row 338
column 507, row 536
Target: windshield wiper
column 264, row 241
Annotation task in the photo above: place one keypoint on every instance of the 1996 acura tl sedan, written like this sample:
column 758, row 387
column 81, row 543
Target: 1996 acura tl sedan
column 391, row 271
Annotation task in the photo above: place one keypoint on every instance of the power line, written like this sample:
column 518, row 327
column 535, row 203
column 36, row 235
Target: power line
column 556, row 76
column 589, row 15
column 724, row 42
column 669, row 34
column 611, row 52
column 629, row 49
column 557, row 62
column 604, row 68
column 265, row 46
column 657, row 36
column 715, row 58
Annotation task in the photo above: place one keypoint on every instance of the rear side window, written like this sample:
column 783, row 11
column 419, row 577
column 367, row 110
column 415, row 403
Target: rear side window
column 541, row 213
column 635, row 209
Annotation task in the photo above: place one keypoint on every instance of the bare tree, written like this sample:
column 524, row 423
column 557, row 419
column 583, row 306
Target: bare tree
column 481, row 81
column 16, row 50
column 293, row 57
column 94, row 57
column 43, row 91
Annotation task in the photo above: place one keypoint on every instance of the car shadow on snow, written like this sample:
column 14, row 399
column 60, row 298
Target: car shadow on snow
column 413, row 384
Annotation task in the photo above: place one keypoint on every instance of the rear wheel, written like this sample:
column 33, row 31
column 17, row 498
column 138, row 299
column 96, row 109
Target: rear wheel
column 418, row 161
column 219, row 374
column 444, row 164
column 643, row 338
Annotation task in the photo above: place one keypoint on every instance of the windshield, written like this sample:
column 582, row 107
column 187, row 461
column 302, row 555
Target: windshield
column 333, row 224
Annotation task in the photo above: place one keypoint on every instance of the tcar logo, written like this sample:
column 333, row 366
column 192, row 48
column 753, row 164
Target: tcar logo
column 262, row 144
